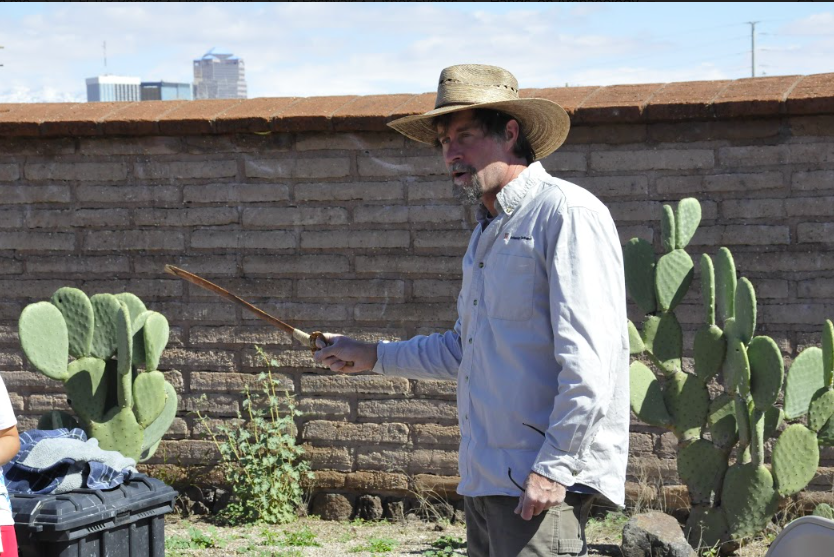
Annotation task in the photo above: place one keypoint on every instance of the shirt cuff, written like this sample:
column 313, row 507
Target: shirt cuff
column 556, row 465
column 379, row 367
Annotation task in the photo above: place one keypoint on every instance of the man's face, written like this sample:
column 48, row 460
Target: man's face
column 472, row 157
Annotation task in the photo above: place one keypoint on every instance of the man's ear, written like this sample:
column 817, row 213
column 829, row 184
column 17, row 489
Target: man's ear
column 511, row 133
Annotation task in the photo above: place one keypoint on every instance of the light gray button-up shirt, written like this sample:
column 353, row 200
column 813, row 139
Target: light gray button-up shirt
column 540, row 342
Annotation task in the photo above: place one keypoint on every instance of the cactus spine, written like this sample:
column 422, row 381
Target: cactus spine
column 128, row 409
column 732, row 498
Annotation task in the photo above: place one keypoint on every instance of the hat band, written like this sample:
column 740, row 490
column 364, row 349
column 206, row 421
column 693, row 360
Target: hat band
column 462, row 93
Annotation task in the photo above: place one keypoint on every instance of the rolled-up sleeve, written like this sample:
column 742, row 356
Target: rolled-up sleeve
column 586, row 282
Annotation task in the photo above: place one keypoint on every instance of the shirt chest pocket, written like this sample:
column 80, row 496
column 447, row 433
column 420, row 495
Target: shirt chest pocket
column 508, row 287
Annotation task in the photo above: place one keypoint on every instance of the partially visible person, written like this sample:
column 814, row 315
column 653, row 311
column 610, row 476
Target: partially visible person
column 9, row 446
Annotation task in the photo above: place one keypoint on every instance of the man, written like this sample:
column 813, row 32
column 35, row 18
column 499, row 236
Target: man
column 540, row 348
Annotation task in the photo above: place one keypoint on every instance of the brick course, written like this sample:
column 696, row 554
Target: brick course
column 333, row 222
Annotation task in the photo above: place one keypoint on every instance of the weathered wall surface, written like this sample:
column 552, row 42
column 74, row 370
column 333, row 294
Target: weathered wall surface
column 310, row 210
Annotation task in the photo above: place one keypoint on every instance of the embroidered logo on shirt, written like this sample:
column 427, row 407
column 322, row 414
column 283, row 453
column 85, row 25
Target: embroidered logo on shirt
column 507, row 237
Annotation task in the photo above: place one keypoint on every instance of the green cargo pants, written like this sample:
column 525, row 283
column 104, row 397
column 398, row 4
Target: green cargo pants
column 494, row 530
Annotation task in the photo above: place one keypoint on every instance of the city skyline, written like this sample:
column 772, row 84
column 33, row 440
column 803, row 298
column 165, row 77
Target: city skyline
column 306, row 49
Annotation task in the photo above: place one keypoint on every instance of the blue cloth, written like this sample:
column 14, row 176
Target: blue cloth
column 59, row 460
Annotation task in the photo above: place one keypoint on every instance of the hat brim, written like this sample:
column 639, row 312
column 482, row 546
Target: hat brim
column 545, row 123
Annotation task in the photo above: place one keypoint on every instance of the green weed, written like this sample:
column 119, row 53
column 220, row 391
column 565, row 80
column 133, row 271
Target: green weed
column 376, row 545
column 261, row 459
column 445, row 546
column 302, row 538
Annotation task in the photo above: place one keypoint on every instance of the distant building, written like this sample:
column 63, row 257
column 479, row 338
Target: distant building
column 113, row 88
column 166, row 91
column 219, row 75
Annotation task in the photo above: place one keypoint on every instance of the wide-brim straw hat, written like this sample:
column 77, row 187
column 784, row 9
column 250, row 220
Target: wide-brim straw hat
column 471, row 86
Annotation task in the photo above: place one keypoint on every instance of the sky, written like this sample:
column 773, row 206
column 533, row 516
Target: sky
column 305, row 49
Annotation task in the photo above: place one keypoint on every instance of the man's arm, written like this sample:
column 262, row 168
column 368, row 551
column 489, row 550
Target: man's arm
column 587, row 307
column 435, row 356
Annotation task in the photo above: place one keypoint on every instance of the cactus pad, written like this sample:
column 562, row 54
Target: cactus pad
column 77, row 310
column 805, row 378
column 710, row 348
column 767, row 371
column 725, row 284
column 795, row 459
column 821, row 409
column 687, row 219
column 119, row 431
column 701, row 466
column 663, row 338
column 105, row 308
column 745, row 307
column 706, row 527
column 44, row 338
column 639, row 263
column 56, row 419
column 824, row 510
column 721, row 421
column 774, row 418
column 673, row 277
column 668, row 230
column 828, row 352
column 708, row 289
column 736, row 369
column 124, row 342
column 155, row 431
column 155, row 339
column 687, row 401
column 135, row 307
column 635, row 342
column 825, row 436
column 748, row 499
column 87, row 389
column 647, row 396
column 147, row 402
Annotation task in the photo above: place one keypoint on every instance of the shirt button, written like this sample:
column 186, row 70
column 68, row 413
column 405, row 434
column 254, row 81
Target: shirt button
column 467, row 378
column 481, row 264
column 470, row 341
column 475, row 303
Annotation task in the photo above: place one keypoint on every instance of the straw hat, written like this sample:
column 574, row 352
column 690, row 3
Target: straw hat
column 470, row 86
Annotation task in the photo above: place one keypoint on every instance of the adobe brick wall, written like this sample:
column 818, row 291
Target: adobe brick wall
column 312, row 210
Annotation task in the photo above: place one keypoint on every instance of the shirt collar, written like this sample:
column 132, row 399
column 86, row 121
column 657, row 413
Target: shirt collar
column 511, row 195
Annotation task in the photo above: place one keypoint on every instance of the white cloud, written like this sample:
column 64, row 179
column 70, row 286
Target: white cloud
column 303, row 49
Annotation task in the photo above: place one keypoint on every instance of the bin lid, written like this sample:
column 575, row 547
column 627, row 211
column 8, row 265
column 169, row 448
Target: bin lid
column 82, row 507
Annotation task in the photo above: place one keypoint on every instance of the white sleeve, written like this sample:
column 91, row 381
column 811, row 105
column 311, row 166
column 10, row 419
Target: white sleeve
column 436, row 356
column 7, row 418
column 587, row 308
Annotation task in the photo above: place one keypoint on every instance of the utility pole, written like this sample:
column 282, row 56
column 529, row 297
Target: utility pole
column 752, row 47
column 104, row 49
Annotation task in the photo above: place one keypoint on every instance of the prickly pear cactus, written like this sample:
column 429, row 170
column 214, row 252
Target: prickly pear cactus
column 721, row 440
column 111, row 338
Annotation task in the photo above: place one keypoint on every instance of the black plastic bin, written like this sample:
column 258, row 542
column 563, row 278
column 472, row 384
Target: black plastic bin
column 127, row 521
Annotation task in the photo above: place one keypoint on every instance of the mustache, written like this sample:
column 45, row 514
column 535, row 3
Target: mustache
column 461, row 167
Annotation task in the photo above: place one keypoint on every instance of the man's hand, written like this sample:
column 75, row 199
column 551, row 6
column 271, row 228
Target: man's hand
column 540, row 494
column 341, row 349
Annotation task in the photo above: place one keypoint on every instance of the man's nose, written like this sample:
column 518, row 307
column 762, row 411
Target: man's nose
column 451, row 154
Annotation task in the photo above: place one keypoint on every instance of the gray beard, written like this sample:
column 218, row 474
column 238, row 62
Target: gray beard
column 469, row 194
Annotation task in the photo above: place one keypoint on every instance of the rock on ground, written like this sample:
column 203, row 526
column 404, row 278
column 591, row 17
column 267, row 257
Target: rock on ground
column 655, row 534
